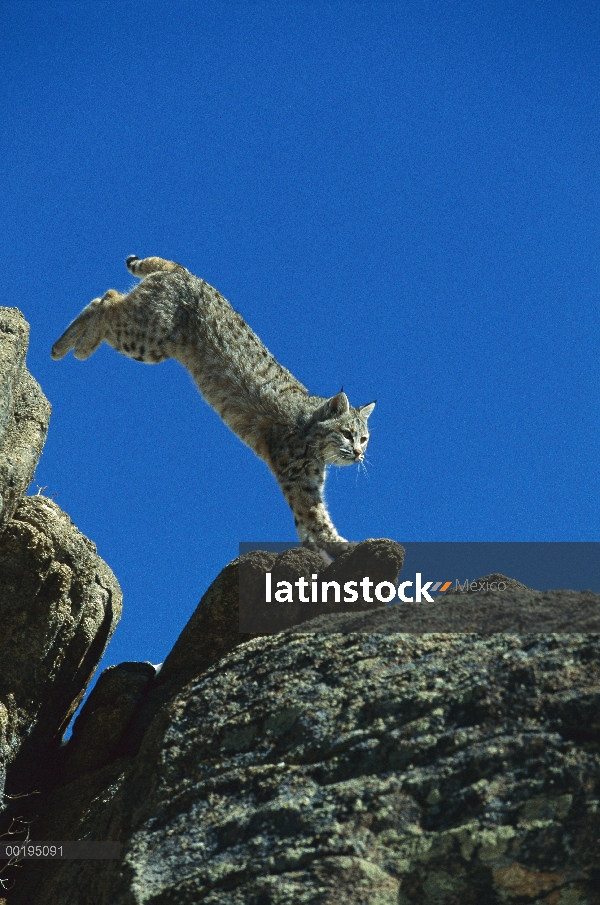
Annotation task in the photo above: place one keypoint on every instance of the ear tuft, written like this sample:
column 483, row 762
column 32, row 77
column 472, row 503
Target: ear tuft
column 365, row 410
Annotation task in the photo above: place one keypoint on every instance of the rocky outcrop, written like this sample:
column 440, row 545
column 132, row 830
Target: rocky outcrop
column 59, row 602
column 349, row 768
column 516, row 610
column 24, row 413
column 102, row 724
column 236, row 598
column 59, row 605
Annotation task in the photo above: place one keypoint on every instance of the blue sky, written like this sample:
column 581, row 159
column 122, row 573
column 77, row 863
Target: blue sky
column 398, row 197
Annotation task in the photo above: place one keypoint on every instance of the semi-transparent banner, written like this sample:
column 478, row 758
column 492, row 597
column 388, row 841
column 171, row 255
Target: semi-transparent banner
column 423, row 587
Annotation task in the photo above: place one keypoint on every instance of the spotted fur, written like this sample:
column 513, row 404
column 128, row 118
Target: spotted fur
column 173, row 314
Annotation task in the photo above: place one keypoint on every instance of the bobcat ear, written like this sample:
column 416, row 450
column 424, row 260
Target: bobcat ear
column 365, row 410
column 337, row 405
column 332, row 408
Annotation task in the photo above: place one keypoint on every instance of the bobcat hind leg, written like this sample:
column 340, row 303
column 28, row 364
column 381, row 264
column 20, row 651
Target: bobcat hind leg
column 87, row 331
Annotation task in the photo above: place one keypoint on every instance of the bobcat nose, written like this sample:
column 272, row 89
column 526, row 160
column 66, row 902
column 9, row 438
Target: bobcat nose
column 358, row 455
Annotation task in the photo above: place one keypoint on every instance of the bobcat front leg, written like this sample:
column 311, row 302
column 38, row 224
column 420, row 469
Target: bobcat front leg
column 313, row 523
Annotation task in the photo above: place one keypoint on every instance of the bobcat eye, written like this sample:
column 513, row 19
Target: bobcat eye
column 363, row 440
column 347, row 435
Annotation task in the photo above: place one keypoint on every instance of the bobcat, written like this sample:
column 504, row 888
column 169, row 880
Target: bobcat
column 173, row 314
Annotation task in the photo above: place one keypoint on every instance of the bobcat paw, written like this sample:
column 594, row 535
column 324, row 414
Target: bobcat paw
column 336, row 550
column 333, row 549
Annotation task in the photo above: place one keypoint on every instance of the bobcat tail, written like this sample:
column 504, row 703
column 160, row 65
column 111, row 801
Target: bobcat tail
column 145, row 266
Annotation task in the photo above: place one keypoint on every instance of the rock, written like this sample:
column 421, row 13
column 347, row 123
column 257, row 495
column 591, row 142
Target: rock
column 100, row 726
column 509, row 584
column 236, row 599
column 24, row 413
column 211, row 632
column 516, row 610
column 59, row 605
column 259, row 616
column 351, row 769
column 255, row 614
column 379, row 559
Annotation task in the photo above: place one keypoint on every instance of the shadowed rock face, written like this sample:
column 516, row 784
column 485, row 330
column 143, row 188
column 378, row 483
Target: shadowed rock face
column 59, row 605
column 24, row 413
column 100, row 726
column 127, row 698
